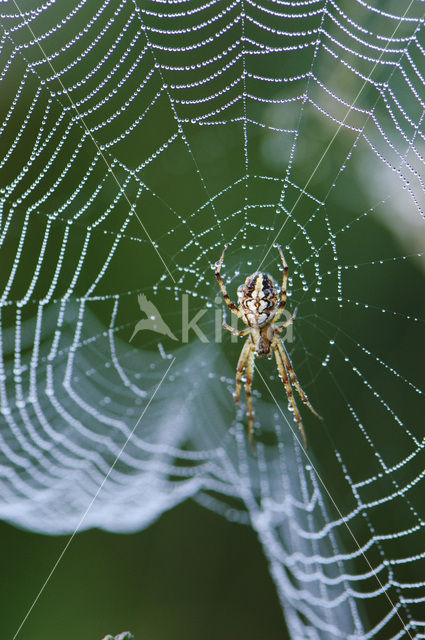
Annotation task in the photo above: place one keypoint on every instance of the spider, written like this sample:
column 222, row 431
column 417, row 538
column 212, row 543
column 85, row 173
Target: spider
column 260, row 308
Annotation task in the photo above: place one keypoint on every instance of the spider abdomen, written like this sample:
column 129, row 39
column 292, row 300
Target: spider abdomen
column 257, row 300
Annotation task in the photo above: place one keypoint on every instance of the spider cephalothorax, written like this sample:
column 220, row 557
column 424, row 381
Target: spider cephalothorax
column 260, row 306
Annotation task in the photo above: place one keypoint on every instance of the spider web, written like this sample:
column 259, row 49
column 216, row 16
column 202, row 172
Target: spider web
column 136, row 139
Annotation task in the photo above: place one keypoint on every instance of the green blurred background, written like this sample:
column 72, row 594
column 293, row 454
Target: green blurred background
column 190, row 575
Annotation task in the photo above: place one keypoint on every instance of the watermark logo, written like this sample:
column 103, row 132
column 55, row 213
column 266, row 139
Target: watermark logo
column 154, row 321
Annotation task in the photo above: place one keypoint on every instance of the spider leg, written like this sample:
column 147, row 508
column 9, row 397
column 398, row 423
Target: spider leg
column 288, row 365
column 227, row 300
column 288, row 389
column 248, row 385
column 235, row 332
column 282, row 302
column 287, row 323
column 241, row 367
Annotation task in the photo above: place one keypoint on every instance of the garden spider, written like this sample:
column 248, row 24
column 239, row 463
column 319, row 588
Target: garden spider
column 259, row 308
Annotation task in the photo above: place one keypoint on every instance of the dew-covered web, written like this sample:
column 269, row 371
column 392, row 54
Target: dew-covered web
column 136, row 139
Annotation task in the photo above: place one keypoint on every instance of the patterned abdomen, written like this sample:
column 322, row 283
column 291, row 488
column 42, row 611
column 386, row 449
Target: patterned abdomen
column 258, row 299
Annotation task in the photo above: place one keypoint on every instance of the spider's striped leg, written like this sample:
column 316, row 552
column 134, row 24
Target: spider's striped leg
column 235, row 332
column 227, row 300
column 287, row 322
column 282, row 302
column 248, row 385
column 288, row 389
column 241, row 367
column 288, row 365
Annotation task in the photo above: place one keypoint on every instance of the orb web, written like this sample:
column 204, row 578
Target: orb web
column 136, row 139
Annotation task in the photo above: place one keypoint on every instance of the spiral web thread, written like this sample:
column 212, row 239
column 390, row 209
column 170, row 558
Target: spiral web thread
column 99, row 102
